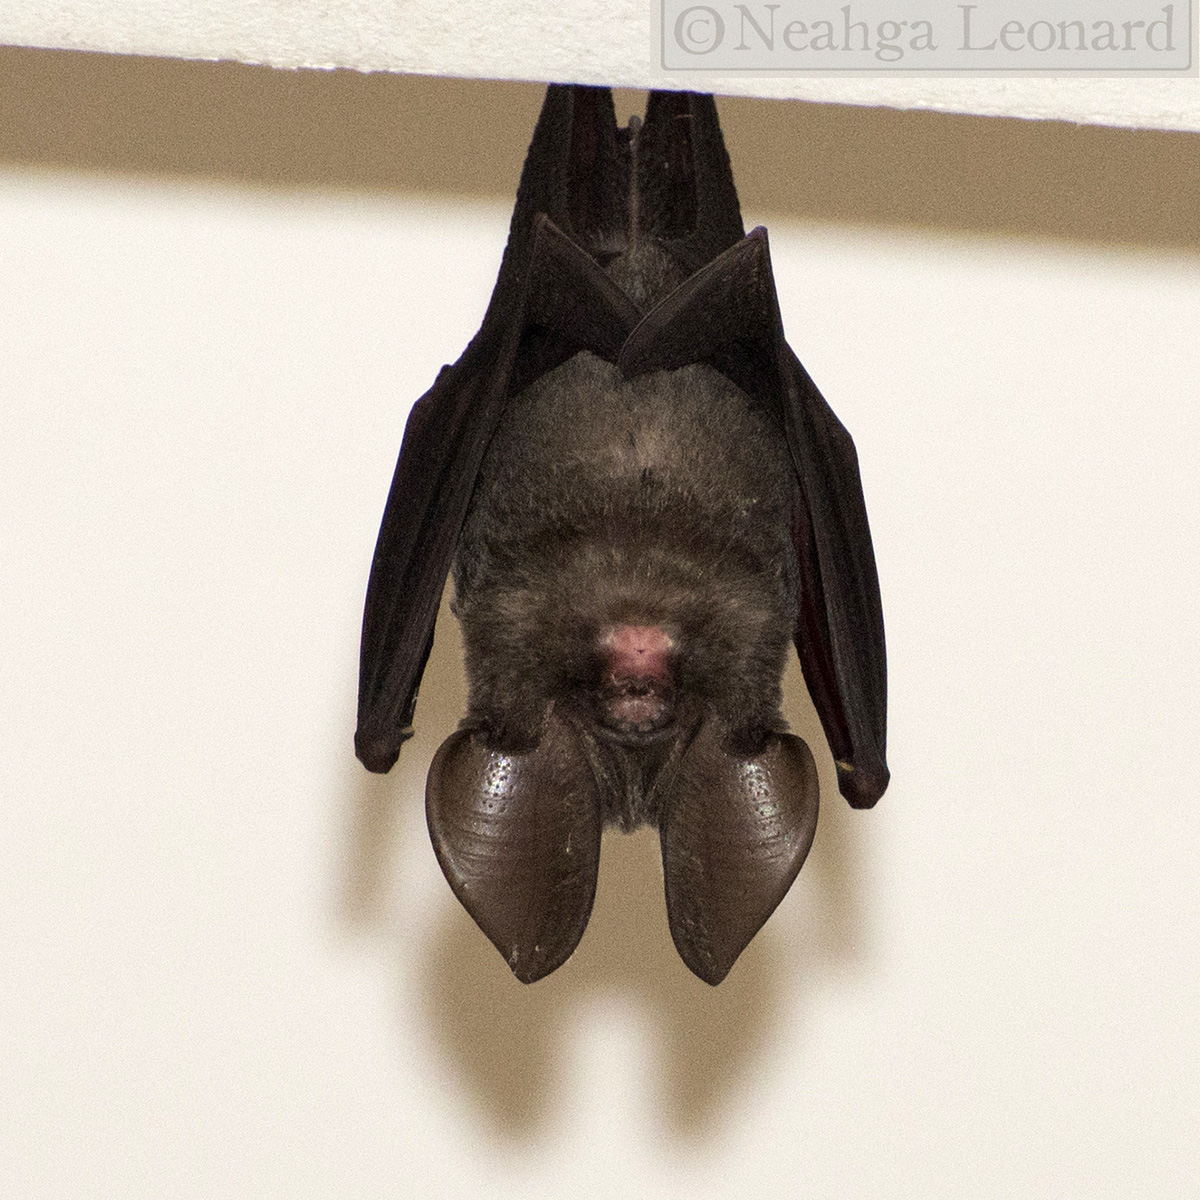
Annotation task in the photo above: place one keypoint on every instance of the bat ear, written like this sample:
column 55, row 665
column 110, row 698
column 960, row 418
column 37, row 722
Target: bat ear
column 735, row 832
column 727, row 315
column 518, row 839
column 686, row 194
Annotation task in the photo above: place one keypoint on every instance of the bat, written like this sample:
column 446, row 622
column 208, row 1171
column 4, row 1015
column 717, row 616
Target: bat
column 644, row 501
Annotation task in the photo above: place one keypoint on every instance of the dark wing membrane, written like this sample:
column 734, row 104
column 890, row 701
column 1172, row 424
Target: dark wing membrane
column 550, row 300
column 566, row 303
column 686, row 199
column 735, row 832
column 518, row 839
column 677, row 190
column 839, row 633
column 727, row 314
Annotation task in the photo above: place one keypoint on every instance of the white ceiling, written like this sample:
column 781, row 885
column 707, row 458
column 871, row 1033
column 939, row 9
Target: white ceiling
column 598, row 41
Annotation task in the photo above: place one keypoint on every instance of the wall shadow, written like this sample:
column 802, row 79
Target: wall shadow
column 256, row 126
column 378, row 810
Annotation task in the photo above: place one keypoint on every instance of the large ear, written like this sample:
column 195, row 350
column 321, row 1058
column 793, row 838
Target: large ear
column 727, row 315
column 735, row 832
column 518, row 839
column 565, row 303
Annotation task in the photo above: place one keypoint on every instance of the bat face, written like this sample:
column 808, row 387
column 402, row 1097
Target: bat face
column 635, row 700
column 645, row 503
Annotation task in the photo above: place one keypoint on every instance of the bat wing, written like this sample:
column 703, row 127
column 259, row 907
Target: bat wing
column 727, row 314
column 551, row 300
column 687, row 200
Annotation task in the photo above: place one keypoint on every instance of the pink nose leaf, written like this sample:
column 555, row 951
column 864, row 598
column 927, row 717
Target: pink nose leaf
column 638, row 652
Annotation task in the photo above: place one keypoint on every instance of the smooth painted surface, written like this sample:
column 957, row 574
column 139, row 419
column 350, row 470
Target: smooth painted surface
column 641, row 43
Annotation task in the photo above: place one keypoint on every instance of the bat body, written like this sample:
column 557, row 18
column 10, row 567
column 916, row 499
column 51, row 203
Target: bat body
column 645, row 502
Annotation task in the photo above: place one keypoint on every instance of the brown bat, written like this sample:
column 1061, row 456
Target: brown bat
column 645, row 501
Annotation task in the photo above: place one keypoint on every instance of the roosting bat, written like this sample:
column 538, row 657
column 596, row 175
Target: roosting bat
column 644, row 499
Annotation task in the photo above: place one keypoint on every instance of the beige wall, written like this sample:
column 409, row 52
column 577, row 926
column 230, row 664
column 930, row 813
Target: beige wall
column 230, row 965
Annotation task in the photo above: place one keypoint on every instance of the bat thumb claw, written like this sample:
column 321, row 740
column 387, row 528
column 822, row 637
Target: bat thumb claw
column 378, row 752
column 862, row 787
